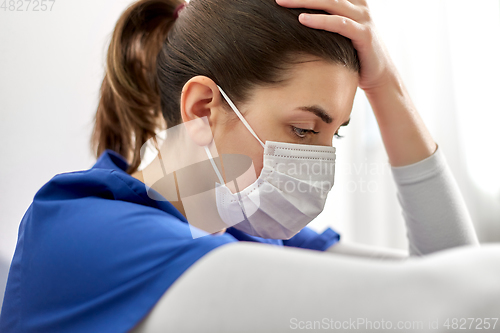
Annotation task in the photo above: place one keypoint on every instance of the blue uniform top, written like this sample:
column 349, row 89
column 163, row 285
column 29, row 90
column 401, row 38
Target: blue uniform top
column 95, row 253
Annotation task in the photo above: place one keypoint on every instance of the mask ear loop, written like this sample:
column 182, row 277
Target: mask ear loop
column 207, row 150
column 209, row 154
column 210, row 157
column 240, row 115
column 243, row 120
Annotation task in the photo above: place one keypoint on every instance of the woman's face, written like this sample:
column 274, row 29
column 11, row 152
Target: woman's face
column 318, row 97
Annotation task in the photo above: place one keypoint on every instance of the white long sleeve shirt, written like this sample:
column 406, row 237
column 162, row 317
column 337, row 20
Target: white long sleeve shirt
column 433, row 208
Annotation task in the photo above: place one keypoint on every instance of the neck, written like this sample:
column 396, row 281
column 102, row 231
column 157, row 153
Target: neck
column 177, row 204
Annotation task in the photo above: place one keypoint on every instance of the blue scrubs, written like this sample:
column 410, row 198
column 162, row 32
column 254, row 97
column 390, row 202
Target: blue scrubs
column 95, row 253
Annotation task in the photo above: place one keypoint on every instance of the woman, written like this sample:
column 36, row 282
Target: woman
column 96, row 252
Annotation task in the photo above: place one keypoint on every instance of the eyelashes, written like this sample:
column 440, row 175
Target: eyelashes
column 302, row 133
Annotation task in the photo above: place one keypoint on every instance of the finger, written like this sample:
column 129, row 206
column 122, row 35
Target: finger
column 337, row 7
column 347, row 27
column 359, row 2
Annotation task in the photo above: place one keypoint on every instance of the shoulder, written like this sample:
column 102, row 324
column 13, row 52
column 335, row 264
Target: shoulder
column 91, row 244
column 108, row 216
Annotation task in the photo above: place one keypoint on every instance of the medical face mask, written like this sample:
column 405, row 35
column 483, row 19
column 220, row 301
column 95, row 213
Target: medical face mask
column 289, row 193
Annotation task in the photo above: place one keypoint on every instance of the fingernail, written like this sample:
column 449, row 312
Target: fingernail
column 304, row 17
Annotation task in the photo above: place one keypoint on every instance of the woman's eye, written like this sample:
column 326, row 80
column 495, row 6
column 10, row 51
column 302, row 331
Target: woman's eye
column 302, row 132
column 337, row 135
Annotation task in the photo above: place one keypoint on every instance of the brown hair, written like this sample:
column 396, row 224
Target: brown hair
column 237, row 43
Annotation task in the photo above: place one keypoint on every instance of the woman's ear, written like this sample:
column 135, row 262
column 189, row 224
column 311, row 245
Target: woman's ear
column 199, row 101
column 199, row 131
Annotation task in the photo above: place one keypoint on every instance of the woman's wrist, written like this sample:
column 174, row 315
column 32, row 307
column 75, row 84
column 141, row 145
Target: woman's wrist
column 389, row 82
column 405, row 136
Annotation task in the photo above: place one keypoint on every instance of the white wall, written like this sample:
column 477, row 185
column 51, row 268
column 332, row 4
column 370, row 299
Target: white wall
column 51, row 66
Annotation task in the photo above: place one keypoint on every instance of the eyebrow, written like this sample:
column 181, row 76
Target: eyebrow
column 321, row 113
column 346, row 123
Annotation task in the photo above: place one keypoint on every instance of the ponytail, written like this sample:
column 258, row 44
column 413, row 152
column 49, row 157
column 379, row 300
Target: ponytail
column 129, row 110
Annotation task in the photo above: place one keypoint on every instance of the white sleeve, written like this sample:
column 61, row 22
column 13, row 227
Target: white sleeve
column 255, row 287
column 433, row 208
column 366, row 251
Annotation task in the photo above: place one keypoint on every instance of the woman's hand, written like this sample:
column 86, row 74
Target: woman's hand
column 351, row 19
column 405, row 136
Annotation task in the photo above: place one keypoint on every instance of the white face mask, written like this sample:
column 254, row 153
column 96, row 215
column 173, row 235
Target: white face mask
column 289, row 193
